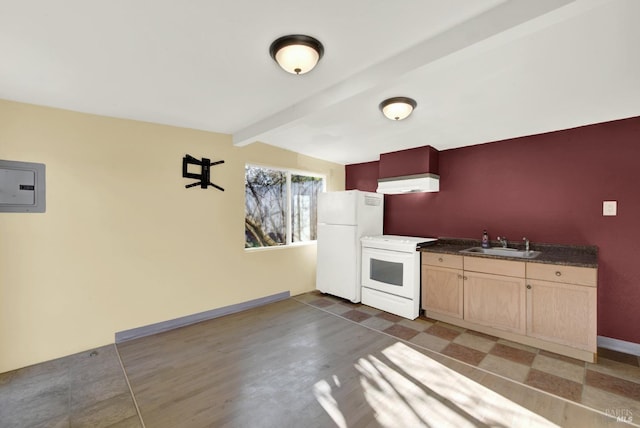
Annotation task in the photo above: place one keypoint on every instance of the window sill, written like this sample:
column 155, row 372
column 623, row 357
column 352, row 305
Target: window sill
column 281, row 247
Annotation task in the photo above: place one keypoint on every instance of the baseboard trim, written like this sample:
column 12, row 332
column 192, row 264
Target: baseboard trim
column 147, row 330
column 619, row 345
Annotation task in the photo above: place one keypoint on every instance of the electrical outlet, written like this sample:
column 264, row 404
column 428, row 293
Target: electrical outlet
column 609, row 208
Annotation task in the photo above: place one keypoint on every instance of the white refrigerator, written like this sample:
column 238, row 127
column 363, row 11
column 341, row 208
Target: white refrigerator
column 343, row 218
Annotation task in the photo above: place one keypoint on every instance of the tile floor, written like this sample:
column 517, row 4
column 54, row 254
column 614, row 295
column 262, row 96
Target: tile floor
column 611, row 386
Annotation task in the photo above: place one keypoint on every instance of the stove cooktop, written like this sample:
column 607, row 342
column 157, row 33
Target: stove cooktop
column 396, row 242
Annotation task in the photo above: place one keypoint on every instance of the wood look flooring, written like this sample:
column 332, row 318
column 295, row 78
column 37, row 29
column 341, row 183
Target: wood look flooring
column 87, row 389
column 289, row 364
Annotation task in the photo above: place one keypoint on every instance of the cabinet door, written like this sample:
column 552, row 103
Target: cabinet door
column 562, row 313
column 495, row 301
column 442, row 290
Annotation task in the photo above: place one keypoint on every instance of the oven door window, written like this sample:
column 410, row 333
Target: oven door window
column 386, row 272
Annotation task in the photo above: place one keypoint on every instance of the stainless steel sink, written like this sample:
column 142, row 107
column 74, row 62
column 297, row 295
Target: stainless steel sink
column 505, row 252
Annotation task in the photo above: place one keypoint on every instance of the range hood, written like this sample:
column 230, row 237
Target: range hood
column 409, row 184
column 409, row 171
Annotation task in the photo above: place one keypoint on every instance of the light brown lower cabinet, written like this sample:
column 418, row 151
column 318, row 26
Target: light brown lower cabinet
column 495, row 301
column 553, row 307
column 442, row 290
column 562, row 304
column 562, row 313
column 442, row 284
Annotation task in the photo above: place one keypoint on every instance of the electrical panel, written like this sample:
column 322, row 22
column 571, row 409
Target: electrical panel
column 22, row 187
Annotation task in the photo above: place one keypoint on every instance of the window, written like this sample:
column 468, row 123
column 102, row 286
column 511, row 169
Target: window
column 280, row 206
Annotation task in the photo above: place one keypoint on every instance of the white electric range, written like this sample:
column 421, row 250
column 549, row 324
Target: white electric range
column 391, row 273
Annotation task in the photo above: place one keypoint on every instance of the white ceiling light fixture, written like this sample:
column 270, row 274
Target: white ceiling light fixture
column 398, row 108
column 296, row 53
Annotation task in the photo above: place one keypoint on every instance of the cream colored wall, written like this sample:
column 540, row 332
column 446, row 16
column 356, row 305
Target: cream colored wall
column 123, row 244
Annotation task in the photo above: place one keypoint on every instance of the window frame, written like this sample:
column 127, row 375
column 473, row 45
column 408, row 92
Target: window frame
column 288, row 227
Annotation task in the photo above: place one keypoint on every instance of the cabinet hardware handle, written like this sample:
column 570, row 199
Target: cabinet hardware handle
column 459, row 276
column 558, row 273
column 465, row 278
column 528, row 286
column 440, row 260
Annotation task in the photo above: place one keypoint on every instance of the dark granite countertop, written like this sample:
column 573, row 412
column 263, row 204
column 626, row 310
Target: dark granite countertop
column 568, row 255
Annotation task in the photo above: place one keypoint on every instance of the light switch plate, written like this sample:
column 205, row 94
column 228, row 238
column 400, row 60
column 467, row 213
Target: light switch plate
column 609, row 208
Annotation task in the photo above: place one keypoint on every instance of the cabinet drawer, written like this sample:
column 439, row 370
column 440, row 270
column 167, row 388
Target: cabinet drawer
column 497, row 267
column 443, row 260
column 561, row 273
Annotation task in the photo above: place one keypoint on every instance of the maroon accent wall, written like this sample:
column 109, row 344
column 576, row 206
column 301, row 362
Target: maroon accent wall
column 408, row 162
column 549, row 188
column 362, row 176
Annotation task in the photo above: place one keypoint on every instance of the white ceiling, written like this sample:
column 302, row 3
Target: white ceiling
column 480, row 70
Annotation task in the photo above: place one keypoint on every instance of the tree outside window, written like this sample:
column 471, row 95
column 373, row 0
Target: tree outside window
column 280, row 206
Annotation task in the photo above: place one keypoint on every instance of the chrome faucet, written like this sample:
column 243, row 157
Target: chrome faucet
column 503, row 241
column 526, row 244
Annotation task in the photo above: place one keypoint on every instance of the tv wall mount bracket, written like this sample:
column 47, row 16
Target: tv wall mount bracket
column 204, row 176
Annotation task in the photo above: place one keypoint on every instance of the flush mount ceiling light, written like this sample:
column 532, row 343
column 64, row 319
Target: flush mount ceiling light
column 398, row 108
column 296, row 53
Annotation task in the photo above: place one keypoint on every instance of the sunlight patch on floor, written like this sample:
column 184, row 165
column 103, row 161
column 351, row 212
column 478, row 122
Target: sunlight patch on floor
column 404, row 387
column 453, row 398
column 322, row 391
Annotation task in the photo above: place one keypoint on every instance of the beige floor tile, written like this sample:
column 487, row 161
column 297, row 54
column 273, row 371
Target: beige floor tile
column 580, row 419
column 337, row 309
column 377, row 323
column 476, row 342
column 417, row 324
column 430, row 342
column 559, row 368
column 518, row 345
column 614, row 368
column 610, row 403
column 506, row 368
column 368, row 309
column 562, row 358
